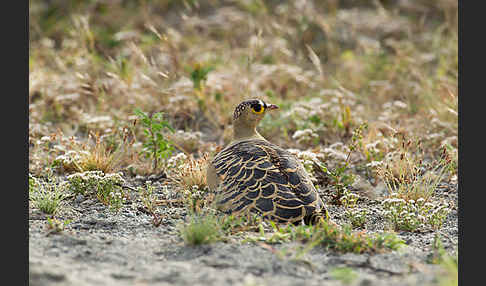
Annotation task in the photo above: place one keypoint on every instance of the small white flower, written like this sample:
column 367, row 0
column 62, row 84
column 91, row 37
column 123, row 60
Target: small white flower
column 45, row 139
column 400, row 104
column 374, row 164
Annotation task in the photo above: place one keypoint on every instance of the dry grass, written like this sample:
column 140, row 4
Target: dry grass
column 94, row 155
column 406, row 173
column 192, row 173
column 190, row 179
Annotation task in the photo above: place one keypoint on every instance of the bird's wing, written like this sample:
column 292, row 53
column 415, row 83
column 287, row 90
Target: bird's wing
column 258, row 176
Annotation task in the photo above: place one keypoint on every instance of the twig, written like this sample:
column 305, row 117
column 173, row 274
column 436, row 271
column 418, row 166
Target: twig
column 166, row 202
column 128, row 187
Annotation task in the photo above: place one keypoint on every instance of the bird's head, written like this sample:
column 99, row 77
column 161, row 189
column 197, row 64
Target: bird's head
column 247, row 115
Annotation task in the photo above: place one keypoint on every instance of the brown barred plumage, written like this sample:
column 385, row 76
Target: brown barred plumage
column 260, row 177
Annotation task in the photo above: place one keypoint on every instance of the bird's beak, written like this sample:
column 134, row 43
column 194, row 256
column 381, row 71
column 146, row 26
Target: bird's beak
column 272, row 106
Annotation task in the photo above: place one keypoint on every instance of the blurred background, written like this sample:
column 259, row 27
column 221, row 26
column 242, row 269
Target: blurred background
column 331, row 66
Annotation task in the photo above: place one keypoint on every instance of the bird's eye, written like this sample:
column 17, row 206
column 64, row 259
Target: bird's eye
column 257, row 108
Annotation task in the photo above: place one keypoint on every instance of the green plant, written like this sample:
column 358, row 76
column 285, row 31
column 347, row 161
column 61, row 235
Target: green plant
column 210, row 226
column 414, row 215
column 339, row 177
column 32, row 184
column 231, row 224
column 340, row 180
column 147, row 196
column 156, row 146
column 149, row 200
column 438, row 252
column 199, row 74
column 451, row 153
column 345, row 240
column 55, row 225
column 355, row 214
column 201, row 229
column 346, row 120
column 195, row 197
column 49, row 202
column 331, row 236
column 46, row 195
column 107, row 188
column 344, row 274
column 449, row 274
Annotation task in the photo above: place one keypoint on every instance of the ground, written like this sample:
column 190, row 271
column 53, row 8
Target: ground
column 125, row 248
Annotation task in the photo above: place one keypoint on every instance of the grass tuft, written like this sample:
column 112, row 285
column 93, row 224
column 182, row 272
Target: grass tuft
column 107, row 188
column 407, row 174
column 97, row 155
column 414, row 215
column 344, row 274
column 47, row 195
column 190, row 179
column 201, row 230
column 330, row 236
column 55, row 225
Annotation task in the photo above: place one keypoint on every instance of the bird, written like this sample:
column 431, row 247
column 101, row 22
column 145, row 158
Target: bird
column 253, row 175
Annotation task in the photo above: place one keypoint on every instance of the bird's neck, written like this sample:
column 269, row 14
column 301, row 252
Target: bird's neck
column 242, row 131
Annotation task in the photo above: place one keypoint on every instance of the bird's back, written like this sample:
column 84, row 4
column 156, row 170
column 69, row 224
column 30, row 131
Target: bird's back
column 257, row 176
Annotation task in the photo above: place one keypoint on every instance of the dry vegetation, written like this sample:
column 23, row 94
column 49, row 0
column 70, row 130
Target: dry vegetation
column 332, row 66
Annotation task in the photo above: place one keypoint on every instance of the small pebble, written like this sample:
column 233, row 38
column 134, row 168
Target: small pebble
column 79, row 198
